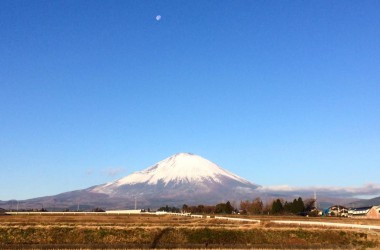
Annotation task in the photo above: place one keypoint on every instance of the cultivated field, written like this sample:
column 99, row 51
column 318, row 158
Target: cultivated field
column 101, row 231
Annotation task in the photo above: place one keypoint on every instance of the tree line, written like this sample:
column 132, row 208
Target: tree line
column 278, row 206
column 251, row 207
column 221, row 208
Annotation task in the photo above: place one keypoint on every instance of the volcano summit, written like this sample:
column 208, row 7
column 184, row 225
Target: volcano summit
column 183, row 168
column 181, row 178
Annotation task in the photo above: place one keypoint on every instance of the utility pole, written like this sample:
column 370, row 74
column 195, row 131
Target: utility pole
column 135, row 203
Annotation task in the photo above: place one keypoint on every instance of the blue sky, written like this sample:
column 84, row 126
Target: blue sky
column 278, row 92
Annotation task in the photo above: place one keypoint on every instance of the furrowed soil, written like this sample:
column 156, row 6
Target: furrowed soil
column 167, row 231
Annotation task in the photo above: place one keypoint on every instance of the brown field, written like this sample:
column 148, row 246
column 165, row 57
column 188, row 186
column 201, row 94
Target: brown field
column 167, row 231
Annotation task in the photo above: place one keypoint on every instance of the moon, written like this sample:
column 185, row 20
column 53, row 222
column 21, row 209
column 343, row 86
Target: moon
column 158, row 17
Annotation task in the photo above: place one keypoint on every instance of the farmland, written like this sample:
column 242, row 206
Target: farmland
column 101, row 231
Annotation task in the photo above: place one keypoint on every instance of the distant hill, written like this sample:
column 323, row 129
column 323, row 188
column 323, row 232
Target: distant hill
column 326, row 202
column 365, row 203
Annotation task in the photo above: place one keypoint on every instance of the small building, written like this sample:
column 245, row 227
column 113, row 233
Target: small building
column 358, row 212
column 365, row 212
column 374, row 213
column 336, row 210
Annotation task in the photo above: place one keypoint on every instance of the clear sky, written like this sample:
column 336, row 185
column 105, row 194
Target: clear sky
column 278, row 92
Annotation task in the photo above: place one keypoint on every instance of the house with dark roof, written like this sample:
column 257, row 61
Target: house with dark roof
column 372, row 212
column 358, row 211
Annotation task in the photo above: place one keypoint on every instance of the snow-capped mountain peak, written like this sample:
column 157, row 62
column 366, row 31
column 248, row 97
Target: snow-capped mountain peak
column 179, row 168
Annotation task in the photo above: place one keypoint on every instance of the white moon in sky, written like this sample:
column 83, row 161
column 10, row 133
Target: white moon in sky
column 158, row 17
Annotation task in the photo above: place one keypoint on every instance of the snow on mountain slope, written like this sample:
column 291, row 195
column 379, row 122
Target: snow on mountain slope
column 179, row 168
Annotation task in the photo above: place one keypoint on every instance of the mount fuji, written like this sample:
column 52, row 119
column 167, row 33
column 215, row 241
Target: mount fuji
column 174, row 181
column 181, row 178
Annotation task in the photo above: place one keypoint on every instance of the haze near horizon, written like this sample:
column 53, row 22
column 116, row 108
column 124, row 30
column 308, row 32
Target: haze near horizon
column 279, row 93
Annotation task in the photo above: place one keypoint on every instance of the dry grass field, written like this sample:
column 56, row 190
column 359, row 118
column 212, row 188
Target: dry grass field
column 167, row 231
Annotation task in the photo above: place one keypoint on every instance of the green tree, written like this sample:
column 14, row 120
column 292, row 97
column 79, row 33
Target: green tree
column 288, row 207
column 300, row 205
column 277, row 207
column 224, row 208
column 229, row 208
